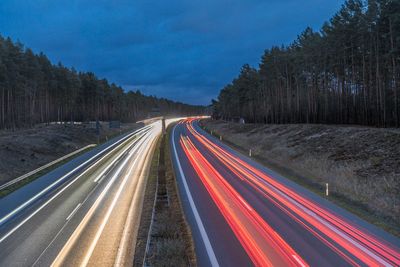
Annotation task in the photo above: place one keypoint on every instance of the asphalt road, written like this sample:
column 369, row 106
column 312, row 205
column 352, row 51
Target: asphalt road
column 243, row 214
column 84, row 213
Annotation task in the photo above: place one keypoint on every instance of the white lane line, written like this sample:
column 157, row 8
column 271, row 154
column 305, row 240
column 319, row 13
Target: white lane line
column 204, row 236
column 97, row 180
column 73, row 212
column 48, row 201
column 51, row 243
column 2, row 220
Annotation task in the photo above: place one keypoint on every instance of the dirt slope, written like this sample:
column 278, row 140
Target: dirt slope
column 360, row 164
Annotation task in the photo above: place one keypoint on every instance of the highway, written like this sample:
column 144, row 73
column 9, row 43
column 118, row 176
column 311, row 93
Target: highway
column 243, row 214
column 85, row 213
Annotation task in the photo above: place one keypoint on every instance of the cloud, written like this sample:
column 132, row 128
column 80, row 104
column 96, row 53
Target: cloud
column 183, row 50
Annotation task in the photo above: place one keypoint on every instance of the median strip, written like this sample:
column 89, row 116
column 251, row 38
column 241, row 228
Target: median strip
column 164, row 237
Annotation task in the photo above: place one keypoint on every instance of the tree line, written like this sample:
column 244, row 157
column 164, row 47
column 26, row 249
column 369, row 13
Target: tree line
column 347, row 73
column 33, row 90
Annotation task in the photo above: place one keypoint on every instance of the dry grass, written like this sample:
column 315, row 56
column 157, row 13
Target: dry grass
column 171, row 242
column 147, row 209
column 24, row 150
column 168, row 252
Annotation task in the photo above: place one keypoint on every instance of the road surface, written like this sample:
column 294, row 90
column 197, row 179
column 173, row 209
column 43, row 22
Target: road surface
column 84, row 213
column 243, row 214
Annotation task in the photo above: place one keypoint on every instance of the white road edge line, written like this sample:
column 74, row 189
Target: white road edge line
column 73, row 212
column 206, row 240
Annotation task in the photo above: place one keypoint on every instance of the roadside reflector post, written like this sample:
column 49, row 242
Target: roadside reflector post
column 211, row 132
column 220, row 137
column 250, row 152
column 327, row 189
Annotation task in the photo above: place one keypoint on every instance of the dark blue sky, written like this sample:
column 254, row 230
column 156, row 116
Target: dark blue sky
column 185, row 50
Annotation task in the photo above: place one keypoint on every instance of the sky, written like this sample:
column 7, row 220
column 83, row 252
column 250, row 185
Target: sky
column 184, row 50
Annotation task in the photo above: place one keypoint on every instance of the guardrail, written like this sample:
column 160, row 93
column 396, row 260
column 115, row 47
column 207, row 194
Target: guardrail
column 22, row 177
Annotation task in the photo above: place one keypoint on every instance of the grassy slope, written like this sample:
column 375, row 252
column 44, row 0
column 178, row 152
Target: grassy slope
column 8, row 190
column 24, row 150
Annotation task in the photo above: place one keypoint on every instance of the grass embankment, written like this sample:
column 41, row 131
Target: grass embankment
column 8, row 190
column 170, row 240
column 303, row 160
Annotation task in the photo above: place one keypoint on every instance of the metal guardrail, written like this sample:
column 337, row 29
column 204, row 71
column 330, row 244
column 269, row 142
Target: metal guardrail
column 23, row 177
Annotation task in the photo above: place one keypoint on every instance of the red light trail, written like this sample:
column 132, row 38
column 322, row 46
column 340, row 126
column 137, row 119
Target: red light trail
column 262, row 243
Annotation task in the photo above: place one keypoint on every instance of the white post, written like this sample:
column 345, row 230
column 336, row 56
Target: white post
column 327, row 189
column 220, row 137
column 211, row 132
column 250, row 153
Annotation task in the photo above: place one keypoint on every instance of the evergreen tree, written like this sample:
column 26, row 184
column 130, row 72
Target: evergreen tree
column 346, row 73
column 32, row 90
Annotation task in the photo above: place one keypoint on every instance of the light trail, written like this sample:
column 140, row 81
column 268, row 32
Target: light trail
column 340, row 235
column 81, row 227
column 58, row 181
column 204, row 236
column 88, row 215
column 256, row 236
column 123, row 192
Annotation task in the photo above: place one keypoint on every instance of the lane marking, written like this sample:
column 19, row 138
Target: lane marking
column 204, row 236
column 73, row 212
column 101, row 178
